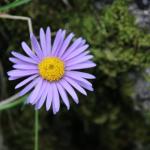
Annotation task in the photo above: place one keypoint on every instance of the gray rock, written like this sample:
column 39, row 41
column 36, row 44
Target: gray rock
column 142, row 16
column 99, row 4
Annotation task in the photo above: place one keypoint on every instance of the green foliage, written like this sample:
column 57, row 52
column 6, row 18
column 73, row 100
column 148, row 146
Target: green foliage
column 118, row 44
column 108, row 118
column 13, row 4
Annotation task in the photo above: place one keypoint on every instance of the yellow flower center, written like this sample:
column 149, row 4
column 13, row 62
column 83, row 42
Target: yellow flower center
column 51, row 68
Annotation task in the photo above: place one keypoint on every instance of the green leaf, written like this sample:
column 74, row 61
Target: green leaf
column 13, row 104
column 13, row 5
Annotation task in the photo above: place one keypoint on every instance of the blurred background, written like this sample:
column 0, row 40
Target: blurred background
column 116, row 116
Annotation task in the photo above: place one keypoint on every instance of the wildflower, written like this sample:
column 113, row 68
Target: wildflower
column 51, row 70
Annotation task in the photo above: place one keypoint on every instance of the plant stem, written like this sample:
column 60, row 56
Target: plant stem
column 9, row 100
column 28, row 19
column 36, row 131
column 12, row 104
column 13, row 5
column 7, row 103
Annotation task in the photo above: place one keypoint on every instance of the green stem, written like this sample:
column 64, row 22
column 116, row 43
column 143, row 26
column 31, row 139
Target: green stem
column 12, row 104
column 13, row 4
column 36, row 130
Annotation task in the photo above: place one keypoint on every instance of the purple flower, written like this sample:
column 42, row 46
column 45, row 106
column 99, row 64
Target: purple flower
column 51, row 70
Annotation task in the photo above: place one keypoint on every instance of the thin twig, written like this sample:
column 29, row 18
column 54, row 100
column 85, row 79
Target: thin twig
column 14, row 97
column 28, row 19
column 9, row 100
column 66, row 2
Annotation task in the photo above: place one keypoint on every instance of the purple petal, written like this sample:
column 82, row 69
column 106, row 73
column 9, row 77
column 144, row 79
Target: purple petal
column 36, row 46
column 72, row 48
column 29, row 87
column 15, row 60
column 48, row 41
column 82, row 74
column 75, row 85
column 42, row 91
column 66, row 44
column 56, row 100
column 41, row 101
column 69, row 89
column 77, row 52
column 18, row 62
column 56, row 41
column 80, row 56
column 86, row 52
column 21, row 73
column 25, row 81
column 43, row 41
column 77, row 61
column 82, row 43
column 33, row 96
column 60, row 43
column 49, row 97
column 25, row 67
column 12, row 78
column 77, row 77
column 29, row 52
column 85, row 65
column 24, row 58
column 63, row 95
column 86, row 86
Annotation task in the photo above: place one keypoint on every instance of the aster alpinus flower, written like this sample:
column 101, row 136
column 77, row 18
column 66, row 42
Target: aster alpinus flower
column 51, row 71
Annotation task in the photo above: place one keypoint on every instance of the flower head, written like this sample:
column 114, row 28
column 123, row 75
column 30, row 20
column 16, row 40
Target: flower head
column 51, row 70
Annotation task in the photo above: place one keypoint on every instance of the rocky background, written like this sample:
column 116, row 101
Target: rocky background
column 117, row 115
